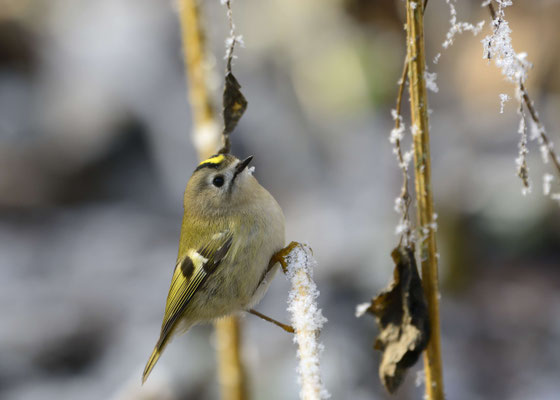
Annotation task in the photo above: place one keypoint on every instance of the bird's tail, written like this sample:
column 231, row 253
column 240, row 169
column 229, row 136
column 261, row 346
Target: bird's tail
column 158, row 349
column 151, row 363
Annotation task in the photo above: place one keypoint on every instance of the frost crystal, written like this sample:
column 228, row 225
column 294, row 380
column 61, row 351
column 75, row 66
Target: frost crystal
column 430, row 78
column 403, row 227
column 407, row 158
column 361, row 309
column 498, row 47
column 307, row 320
column 521, row 160
column 503, row 99
column 233, row 39
column 547, row 181
column 458, row 27
column 535, row 131
column 397, row 134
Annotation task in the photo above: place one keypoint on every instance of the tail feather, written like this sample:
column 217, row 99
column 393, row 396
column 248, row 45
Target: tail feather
column 151, row 362
column 158, row 349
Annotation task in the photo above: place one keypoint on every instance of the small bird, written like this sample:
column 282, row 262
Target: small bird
column 232, row 227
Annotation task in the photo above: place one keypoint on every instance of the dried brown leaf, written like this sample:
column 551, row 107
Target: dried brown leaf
column 234, row 103
column 402, row 315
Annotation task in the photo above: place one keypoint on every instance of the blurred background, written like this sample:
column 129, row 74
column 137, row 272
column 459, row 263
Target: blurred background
column 95, row 151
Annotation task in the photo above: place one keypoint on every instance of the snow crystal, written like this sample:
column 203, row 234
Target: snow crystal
column 535, row 131
column 458, row 27
column 498, row 47
column 397, row 134
column 547, row 183
column 403, row 227
column 430, row 78
column 503, row 99
column 307, row 320
column 400, row 205
column 407, row 158
column 361, row 309
column 544, row 152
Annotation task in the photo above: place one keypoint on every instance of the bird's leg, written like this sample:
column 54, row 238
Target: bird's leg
column 280, row 257
column 287, row 328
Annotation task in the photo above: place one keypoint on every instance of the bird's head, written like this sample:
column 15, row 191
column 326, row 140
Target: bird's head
column 220, row 184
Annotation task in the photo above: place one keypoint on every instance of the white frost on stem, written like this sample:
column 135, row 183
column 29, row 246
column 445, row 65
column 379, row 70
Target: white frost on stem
column 458, row 27
column 521, row 160
column 430, row 79
column 307, row 320
column 504, row 98
column 547, row 183
column 498, row 47
column 362, row 308
column 233, row 39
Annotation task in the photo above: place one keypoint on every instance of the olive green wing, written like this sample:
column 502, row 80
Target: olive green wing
column 190, row 273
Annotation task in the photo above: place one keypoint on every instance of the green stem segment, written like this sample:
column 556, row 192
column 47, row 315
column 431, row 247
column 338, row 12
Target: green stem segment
column 424, row 198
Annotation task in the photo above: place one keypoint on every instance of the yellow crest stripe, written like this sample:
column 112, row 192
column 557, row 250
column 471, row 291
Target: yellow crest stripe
column 214, row 159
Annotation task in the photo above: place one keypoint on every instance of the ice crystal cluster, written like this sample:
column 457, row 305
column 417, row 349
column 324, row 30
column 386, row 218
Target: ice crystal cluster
column 498, row 47
column 514, row 66
column 457, row 27
column 232, row 39
column 307, row 320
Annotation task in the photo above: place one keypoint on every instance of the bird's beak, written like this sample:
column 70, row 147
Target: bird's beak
column 242, row 165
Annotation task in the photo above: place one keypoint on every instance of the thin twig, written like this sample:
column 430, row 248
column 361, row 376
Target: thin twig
column 404, row 195
column 535, row 117
column 286, row 327
column 424, row 200
column 492, row 11
column 232, row 40
column 532, row 112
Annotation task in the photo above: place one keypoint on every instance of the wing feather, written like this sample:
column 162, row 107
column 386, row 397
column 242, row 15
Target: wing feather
column 205, row 261
column 190, row 273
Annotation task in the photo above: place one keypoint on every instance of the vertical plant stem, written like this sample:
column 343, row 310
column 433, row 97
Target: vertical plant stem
column 424, row 199
column 230, row 371
column 206, row 132
column 207, row 140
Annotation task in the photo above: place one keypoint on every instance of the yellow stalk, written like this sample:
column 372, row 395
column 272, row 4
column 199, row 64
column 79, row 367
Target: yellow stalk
column 424, row 199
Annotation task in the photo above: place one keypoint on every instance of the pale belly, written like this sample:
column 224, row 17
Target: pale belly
column 239, row 283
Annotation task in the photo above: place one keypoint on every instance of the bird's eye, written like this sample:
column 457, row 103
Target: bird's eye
column 218, row 181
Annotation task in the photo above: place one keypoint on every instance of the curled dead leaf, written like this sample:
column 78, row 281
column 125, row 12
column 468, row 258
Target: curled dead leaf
column 402, row 315
column 234, row 103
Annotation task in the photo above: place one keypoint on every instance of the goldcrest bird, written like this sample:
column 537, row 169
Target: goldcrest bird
column 232, row 227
